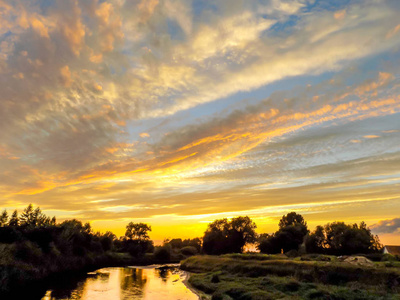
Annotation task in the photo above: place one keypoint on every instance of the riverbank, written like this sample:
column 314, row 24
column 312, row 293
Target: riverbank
column 253, row 277
column 202, row 295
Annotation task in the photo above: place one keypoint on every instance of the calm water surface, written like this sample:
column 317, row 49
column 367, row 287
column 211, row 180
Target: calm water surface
column 128, row 283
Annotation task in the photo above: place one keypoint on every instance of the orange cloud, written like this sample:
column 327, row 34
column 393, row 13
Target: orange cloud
column 66, row 76
column 340, row 14
column 371, row 136
column 393, row 32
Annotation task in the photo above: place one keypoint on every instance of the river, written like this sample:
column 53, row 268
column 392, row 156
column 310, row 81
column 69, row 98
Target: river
column 126, row 283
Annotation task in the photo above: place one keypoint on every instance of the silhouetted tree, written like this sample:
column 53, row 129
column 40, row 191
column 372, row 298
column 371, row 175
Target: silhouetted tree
column 223, row 236
column 14, row 221
column 196, row 243
column 137, row 231
column 3, row 218
column 292, row 219
column 175, row 243
column 33, row 217
column 268, row 243
column 291, row 233
column 107, row 240
column 136, row 240
column 315, row 242
column 349, row 239
column 339, row 238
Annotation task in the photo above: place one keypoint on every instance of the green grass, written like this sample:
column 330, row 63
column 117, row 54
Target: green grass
column 253, row 276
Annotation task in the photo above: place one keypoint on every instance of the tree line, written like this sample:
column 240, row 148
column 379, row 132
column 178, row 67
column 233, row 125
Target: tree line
column 337, row 238
column 33, row 232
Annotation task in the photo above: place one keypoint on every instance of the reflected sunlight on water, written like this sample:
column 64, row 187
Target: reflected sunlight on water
column 129, row 283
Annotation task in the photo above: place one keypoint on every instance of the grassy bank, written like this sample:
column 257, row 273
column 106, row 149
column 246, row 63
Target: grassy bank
column 242, row 276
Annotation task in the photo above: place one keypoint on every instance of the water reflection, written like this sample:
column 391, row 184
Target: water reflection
column 130, row 283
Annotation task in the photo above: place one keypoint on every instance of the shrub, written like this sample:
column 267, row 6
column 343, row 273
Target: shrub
column 189, row 251
column 388, row 257
column 28, row 251
column 162, row 253
column 292, row 253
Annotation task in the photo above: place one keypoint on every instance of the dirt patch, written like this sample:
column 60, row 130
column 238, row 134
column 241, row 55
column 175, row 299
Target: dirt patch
column 357, row 260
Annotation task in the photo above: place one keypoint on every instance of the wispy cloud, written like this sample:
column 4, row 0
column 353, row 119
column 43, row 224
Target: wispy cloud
column 107, row 100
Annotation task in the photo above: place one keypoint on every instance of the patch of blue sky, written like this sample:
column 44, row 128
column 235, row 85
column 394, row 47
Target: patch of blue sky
column 200, row 6
column 281, row 27
column 329, row 5
column 287, row 25
column 6, row 34
column 45, row 5
column 368, row 67
column 175, row 31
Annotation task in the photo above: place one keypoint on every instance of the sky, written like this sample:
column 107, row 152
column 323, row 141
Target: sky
column 176, row 113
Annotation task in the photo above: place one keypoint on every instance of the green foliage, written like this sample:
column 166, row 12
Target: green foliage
column 292, row 219
column 3, row 218
column 189, row 251
column 335, row 238
column 33, row 246
column 14, row 221
column 239, row 276
column 162, row 253
column 178, row 244
column 291, row 233
column 315, row 242
column 339, row 238
column 223, row 236
column 137, row 231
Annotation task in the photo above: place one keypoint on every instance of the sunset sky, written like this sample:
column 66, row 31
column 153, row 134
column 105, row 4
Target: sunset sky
column 177, row 113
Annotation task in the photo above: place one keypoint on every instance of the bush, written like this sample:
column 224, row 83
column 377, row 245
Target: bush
column 9, row 235
column 189, row 251
column 215, row 278
column 292, row 253
column 162, row 253
column 388, row 257
column 28, row 251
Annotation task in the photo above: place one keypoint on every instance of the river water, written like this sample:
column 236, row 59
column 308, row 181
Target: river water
column 127, row 283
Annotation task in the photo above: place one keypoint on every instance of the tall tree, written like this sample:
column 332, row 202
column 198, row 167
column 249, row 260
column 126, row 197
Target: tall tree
column 292, row 219
column 14, row 220
column 223, row 236
column 339, row 238
column 291, row 233
column 33, row 217
column 3, row 218
column 315, row 242
column 137, row 231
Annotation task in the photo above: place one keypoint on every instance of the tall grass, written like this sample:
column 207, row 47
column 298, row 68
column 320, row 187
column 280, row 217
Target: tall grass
column 255, row 277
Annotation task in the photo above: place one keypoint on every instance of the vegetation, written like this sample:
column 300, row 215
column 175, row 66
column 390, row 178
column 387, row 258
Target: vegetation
column 335, row 238
column 223, row 236
column 258, row 276
column 34, row 246
column 339, row 238
column 291, row 233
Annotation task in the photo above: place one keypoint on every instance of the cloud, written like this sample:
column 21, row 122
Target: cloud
column 85, row 83
column 144, row 135
column 387, row 226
